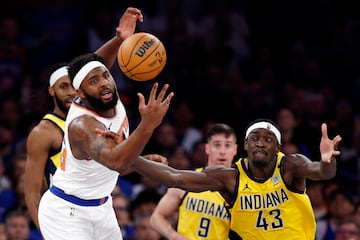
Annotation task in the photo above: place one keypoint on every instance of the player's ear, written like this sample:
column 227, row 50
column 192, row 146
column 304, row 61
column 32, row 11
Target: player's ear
column 245, row 144
column 278, row 148
column 51, row 91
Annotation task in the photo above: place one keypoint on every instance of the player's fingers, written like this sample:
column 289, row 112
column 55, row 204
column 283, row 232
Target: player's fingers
column 136, row 13
column 141, row 100
column 324, row 130
column 168, row 98
column 162, row 93
column 336, row 141
column 153, row 92
column 133, row 10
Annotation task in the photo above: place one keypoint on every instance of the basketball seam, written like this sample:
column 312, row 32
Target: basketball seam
column 158, row 68
column 130, row 55
column 157, row 46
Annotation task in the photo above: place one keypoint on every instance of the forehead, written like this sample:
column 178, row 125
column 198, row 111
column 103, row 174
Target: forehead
column 95, row 72
column 63, row 79
column 221, row 137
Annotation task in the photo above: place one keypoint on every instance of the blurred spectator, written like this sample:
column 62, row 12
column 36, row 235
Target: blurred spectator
column 182, row 117
column 18, row 164
column 144, row 203
column 146, row 184
column 121, row 207
column 17, row 226
column 4, row 179
column 198, row 156
column 13, row 53
column 289, row 148
column 179, row 159
column 348, row 229
column 163, row 141
column 143, row 228
column 314, row 189
column 288, row 122
column 357, row 212
column 341, row 206
column 2, row 231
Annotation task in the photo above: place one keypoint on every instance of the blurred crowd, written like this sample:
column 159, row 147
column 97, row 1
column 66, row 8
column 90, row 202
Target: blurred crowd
column 231, row 61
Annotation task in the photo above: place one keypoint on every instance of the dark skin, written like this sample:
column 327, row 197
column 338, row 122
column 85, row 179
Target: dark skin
column 85, row 141
column 261, row 146
column 46, row 136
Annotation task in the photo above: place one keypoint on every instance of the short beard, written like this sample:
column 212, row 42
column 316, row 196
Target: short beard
column 100, row 105
column 61, row 105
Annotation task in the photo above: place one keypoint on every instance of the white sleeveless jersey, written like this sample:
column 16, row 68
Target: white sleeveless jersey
column 84, row 178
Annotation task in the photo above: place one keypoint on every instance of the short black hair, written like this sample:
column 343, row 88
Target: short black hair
column 221, row 128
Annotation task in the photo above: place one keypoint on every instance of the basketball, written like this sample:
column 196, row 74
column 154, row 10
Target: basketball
column 141, row 57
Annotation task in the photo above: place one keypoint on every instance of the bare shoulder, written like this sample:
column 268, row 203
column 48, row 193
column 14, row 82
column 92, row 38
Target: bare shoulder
column 83, row 136
column 85, row 124
column 295, row 161
column 45, row 132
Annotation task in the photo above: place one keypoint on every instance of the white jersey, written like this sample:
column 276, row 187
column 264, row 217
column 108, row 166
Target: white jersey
column 86, row 178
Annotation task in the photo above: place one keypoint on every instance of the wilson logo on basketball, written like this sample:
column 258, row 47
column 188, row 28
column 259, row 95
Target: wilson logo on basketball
column 147, row 44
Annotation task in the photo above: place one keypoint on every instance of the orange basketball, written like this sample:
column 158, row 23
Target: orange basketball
column 141, row 56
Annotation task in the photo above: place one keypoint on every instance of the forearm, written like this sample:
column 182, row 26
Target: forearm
column 108, row 51
column 32, row 202
column 184, row 179
column 121, row 156
column 162, row 226
column 157, row 171
column 328, row 170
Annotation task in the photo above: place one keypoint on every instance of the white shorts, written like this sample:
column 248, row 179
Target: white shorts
column 63, row 220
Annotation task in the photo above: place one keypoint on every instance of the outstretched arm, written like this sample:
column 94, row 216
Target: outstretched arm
column 302, row 167
column 212, row 178
column 126, row 28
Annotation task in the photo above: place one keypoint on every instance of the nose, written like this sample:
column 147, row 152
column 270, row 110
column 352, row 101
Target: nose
column 260, row 142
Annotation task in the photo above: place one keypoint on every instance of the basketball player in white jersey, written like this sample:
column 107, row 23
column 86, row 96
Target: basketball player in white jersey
column 78, row 205
column 45, row 139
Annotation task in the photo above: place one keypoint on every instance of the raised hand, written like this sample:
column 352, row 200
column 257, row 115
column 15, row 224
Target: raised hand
column 157, row 106
column 127, row 22
column 328, row 147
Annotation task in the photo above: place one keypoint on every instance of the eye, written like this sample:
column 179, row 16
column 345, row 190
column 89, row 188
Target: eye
column 64, row 86
column 253, row 138
column 93, row 81
column 228, row 145
column 217, row 145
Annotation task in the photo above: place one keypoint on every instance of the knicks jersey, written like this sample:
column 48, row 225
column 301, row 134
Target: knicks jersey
column 86, row 178
column 203, row 216
column 268, row 209
column 54, row 154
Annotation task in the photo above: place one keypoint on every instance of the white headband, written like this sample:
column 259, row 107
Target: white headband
column 79, row 77
column 265, row 125
column 59, row 73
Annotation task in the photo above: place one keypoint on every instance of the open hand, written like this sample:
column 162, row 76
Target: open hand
column 157, row 106
column 328, row 147
column 127, row 23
